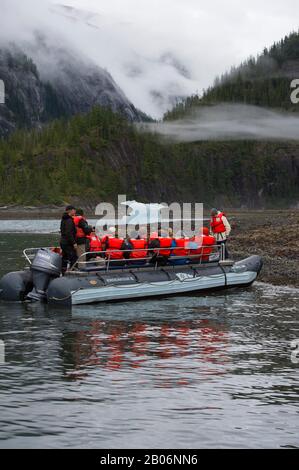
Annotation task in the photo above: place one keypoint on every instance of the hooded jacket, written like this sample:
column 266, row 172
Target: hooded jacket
column 67, row 230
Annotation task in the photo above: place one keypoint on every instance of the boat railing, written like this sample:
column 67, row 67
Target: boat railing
column 104, row 259
column 29, row 253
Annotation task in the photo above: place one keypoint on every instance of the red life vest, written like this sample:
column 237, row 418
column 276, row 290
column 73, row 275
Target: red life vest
column 79, row 231
column 95, row 244
column 57, row 250
column 205, row 244
column 217, row 224
column 138, row 245
column 165, row 243
column 114, row 248
column 182, row 244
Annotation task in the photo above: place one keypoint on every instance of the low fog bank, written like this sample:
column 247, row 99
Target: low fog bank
column 228, row 122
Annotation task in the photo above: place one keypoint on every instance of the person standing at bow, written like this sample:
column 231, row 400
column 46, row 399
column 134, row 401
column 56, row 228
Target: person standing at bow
column 68, row 238
column 220, row 229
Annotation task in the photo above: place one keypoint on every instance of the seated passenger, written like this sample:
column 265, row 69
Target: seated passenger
column 181, row 252
column 115, row 251
column 163, row 251
column 139, row 254
column 205, row 244
column 94, row 247
column 110, row 234
column 154, row 248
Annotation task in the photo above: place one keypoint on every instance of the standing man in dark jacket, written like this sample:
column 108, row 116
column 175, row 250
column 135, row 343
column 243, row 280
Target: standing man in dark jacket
column 68, row 238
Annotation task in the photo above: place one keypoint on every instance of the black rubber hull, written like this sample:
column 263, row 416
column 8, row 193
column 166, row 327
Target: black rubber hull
column 144, row 283
column 132, row 284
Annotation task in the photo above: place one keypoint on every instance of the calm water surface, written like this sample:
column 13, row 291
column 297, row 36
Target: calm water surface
column 188, row 372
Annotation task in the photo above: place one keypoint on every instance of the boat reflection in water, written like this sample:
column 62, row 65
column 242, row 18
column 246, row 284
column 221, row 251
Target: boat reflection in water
column 169, row 352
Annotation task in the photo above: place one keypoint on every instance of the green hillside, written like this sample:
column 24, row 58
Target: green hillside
column 95, row 157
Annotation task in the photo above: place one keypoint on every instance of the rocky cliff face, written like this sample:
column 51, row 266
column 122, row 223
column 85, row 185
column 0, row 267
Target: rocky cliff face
column 35, row 94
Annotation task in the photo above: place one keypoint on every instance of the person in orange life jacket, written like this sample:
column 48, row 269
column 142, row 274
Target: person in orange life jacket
column 181, row 251
column 115, row 250
column 94, row 244
column 68, row 241
column 94, row 247
column 138, row 246
column 220, row 229
column 161, row 247
column 165, row 243
column 205, row 243
column 110, row 234
column 82, row 232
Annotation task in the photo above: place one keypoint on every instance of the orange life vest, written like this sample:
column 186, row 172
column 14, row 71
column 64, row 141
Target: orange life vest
column 165, row 243
column 114, row 248
column 138, row 245
column 95, row 244
column 205, row 244
column 79, row 231
column 217, row 224
column 57, row 250
column 181, row 244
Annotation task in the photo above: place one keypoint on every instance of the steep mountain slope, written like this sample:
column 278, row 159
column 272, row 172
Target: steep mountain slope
column 262, row 81
column 59, row 88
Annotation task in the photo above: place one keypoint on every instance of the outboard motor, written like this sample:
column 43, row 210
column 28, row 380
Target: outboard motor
column 45, row 267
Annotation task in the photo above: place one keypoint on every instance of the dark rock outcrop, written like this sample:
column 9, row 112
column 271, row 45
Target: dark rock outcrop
column 35, row 95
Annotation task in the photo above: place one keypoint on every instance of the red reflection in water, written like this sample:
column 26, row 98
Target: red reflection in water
column 118, row 345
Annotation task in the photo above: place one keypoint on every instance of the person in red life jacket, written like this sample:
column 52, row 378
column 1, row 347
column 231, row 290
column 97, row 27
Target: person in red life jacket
column 94, row 247
column 110, row 234
column 161, row 247
column 56, row 250
column 139, row 252
column 95, row 244
column 83, row 230
column 205, row 243
column 115, row 248
column 165, row 243
column 220, row 229
column 181, row 250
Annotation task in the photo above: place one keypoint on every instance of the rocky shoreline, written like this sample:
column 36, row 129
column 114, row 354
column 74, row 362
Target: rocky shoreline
column 274, row 235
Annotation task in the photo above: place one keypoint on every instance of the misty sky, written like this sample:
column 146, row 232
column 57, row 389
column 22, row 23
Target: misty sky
column 158, row 49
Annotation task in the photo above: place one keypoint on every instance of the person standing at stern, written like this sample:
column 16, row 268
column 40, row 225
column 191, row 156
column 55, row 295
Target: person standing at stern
column 83, row 230
column 68, row 238
column 220, row 229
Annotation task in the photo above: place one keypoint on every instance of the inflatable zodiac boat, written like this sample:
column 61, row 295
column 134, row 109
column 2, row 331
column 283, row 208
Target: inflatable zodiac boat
column 43, row 281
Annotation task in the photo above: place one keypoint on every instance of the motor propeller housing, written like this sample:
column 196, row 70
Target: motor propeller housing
column 45, row 267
